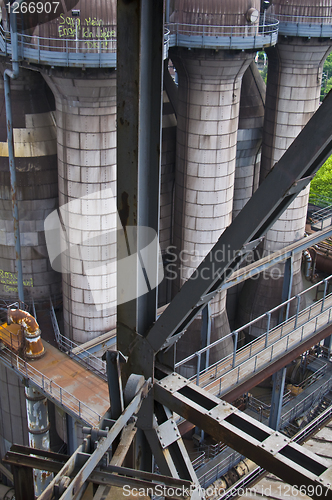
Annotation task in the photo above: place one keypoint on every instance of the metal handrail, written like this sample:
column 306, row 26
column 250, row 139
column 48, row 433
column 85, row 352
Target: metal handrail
column 95, row 51
column 250, row 347
column 306, row 403
column 289, row 18
column 220, row 468
column 270, row 26
column 84, row 357
column 50, row 388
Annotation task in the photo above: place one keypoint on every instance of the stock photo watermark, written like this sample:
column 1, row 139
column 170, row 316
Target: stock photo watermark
column 84, row 236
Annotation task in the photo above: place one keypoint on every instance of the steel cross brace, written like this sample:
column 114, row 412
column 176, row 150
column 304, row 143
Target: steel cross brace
column 88, row 462
column 272, row 450
column 287, row 178
column 111, row 475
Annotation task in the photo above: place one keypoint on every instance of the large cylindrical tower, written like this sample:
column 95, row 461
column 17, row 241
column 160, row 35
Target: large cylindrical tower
column 293, row 89
column 208, row 111
column 37, row 188
column 86, row 136
column 86, row 140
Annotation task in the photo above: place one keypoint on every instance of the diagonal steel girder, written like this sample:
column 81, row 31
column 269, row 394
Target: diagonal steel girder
column 288, row 177
column 270, row 449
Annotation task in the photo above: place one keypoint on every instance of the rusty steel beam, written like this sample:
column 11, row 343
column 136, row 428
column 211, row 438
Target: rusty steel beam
column 269, row 449
column 110, row 476
column 90, row 461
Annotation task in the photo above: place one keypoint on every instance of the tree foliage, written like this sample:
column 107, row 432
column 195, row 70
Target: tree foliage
column 321, row 185
column 327, row 77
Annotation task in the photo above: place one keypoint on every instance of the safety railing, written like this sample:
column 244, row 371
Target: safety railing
column 272, row 343
column 264, row 409
column 320, row 216
column 222, row 36
column 199, row 460
column 259, row 407
column 313, row 26
column 91, row 46
column 50, row 388
column 308, row 402
column 232, row 458
column 85, row 358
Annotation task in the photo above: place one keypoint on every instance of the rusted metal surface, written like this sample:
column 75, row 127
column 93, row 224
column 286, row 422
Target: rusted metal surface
column 91, row 461
column 214, row 13
column 70, row 19
column 12, row 336
column 308, row 8
column 74, row 378
column 39, row 436
column 33, row 345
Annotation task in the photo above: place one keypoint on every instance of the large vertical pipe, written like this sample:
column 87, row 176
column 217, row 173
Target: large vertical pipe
column 208, row 111
column 39, row 436
column 8, row 75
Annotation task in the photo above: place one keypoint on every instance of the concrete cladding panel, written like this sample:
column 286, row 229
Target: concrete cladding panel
column 37, row 188
column 86, row 137
column 215, row 12
column 208, row 111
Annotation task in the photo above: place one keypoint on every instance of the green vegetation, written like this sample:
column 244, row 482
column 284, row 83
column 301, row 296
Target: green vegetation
column 327, row 77
column 260, row 59
column 321, row 185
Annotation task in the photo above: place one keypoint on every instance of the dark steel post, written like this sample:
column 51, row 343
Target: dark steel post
column 8, row 75
column 140, row 40
column 277, row 395
column 23, row 482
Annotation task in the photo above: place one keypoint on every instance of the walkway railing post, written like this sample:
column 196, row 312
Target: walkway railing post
column 324, row 294
column 268, row 328
column 236, row 335
column 297, row 310
column 198, row 368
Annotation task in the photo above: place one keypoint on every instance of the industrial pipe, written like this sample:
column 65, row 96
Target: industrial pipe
column 33, row 344
column 39, row 436
column 308, row 264
column 8, row 75
column 7, row 492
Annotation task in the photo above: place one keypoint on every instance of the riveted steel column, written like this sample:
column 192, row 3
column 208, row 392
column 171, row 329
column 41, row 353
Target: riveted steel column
column 39, row 436
column 139, row 103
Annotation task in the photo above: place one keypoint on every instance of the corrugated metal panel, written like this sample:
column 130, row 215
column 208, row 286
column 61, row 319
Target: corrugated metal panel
column 96, row 22
column 308, row 8
column 212, row 12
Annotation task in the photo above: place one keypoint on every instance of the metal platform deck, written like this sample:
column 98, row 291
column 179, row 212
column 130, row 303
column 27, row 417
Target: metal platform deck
column 64, row 381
